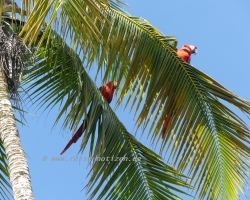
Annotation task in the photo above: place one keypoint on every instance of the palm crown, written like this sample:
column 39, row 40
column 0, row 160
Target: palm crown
column 205, row 138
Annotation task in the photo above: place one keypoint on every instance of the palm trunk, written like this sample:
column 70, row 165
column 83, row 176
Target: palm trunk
column 18, row 166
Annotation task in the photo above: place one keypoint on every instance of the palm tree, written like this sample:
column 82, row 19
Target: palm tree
column 11, row 70
column 13, row 64
column 206, row 139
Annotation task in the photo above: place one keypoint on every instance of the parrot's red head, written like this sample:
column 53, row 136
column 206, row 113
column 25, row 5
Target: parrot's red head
column 108, row 90
column 112, row 84
column 193, row 49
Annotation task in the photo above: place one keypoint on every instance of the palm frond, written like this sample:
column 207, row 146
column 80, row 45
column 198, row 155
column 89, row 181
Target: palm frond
column 59, row 79
column 135, row 172
column 202, row 129
column 205, row 137
column 76, row 18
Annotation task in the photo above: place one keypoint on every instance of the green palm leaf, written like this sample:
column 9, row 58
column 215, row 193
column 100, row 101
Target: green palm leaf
column 76, row 18
column 206, row 139
column 59, row 79
column 150, row 178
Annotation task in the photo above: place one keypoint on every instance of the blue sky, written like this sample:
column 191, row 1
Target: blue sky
column 220, row 31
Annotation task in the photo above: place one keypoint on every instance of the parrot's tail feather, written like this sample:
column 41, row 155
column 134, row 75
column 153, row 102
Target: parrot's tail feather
column 165, row 126
column 67, row 146
column 78, row 133
column 75, row 137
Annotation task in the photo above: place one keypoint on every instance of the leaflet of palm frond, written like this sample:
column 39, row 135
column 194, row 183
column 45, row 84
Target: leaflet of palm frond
column 13, row 55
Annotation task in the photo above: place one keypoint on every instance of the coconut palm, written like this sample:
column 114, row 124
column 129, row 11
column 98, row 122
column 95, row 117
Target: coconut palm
column 12, row 58
column 206, row 140
column 15, row 62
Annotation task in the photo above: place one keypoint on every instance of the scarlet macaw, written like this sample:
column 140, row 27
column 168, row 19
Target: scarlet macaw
column 107, row 91
column 186, row 51
column 185, row 54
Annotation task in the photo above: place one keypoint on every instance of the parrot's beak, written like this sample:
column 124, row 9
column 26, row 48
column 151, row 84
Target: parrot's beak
column 195, row 51
column 115, row 83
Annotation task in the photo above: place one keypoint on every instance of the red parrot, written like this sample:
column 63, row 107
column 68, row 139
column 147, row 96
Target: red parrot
column 185, row 54
column 107, row 91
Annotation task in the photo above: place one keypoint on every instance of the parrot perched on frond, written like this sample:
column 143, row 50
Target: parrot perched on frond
column 185, row 54
column 107, row 91
column 186, row 51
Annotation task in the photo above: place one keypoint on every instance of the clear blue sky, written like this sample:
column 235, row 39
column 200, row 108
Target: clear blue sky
column 220, row 30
